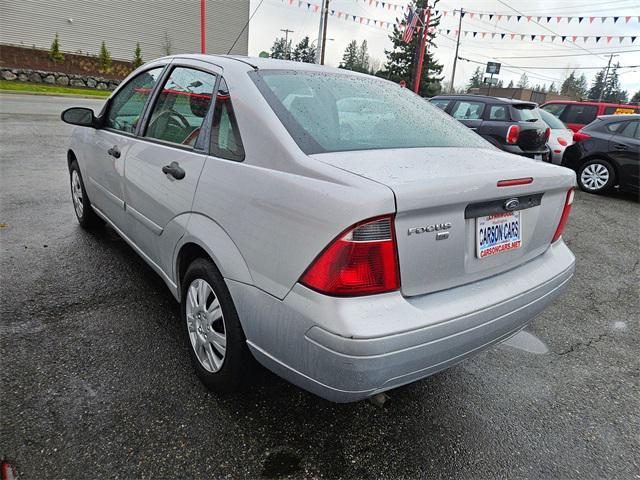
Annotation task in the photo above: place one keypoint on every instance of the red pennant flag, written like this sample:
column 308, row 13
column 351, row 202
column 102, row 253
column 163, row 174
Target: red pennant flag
column 444, row 13
column 609, row 39
column 290, row 2
column 499, row 17
column 512, row 36
column 558, row 19
column 528, row 18
column 471, row 14
column 316, row 8
column 626, row 19
column 574, row 38
column 542, row 38
column 370, row 2
column 483, row 34
column 591, row 19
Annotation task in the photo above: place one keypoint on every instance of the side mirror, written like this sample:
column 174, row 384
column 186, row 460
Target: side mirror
column 80, row 116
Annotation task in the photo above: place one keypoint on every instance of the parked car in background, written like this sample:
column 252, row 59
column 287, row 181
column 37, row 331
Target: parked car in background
column 576, row 115
column 559, row 138
column 511, row 125
column 606, row 154
column 349, row 265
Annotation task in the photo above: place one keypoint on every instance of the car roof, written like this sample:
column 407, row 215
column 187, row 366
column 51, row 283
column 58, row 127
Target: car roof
column 593, row 102
column 620, row 117
column 245, row 63
column 514, row 101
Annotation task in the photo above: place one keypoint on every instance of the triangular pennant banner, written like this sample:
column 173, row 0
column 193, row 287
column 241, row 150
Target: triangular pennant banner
column 615, row 19
column 548, row 19
column 598, row 39
column 580, row 19
column 502, row 36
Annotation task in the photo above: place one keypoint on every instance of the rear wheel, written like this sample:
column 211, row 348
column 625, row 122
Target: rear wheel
column 596, row 176
column 81, row 204
column 217, row 345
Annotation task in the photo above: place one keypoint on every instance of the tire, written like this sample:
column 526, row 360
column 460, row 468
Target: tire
column 216, row 342
column 596, row 176
column 81, row 205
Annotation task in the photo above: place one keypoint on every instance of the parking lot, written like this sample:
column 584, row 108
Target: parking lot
column 96, row 380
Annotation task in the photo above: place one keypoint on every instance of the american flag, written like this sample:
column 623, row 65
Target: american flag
column 412, row 20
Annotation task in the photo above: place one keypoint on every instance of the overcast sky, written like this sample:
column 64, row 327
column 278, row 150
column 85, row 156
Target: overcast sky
column 274, row 15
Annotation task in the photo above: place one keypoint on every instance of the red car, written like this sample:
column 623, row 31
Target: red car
column 576, row 115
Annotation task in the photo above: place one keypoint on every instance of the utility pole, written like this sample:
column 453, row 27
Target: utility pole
column 325, row 15
column 320, row 30
column 286, row 42
column 418, row 48
column 455, row 59
column 606, row 77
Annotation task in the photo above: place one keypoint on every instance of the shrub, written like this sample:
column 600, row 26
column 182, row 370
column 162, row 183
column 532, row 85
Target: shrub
column 137, row 57
column 54, row 52
column 104, row 59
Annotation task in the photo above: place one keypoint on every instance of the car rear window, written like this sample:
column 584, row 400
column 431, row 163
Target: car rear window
column 525, row 113
column 555, row 109
column 552, row 121
column 318, row 109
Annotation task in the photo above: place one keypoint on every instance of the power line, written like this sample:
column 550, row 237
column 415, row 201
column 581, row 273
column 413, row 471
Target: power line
column 245, row 27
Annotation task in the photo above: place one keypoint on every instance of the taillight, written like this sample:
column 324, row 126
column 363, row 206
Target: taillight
column 363, row 260
column 565, row 215
column 512, row 134
column 562, row 141
column 547, row 134
column 580, row 135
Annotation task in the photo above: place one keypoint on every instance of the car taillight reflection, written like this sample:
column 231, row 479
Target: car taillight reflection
column 580, row 135
column 562, row 141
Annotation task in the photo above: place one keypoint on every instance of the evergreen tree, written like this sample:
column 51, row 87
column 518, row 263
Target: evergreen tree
column 500, row 84
column 350, row 56
column 54, row 52
column 476, row 79
column 510, row 84
column 597, row 87
column 281, row 48
column 137, row 57
column 363, row 57
column 304, row 52
column 636, row 97
column 401, row 59
column 104, row 59
column 613, row 92
column 574, row 87
column 553, row 88
column 524, row 81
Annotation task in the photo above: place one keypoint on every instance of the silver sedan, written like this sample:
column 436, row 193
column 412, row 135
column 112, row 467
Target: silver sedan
column 348, row 263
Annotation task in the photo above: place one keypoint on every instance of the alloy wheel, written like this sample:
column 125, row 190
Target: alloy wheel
column 76, row 193
column 206, row 327
column 594, row 176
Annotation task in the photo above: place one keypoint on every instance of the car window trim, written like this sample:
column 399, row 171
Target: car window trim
column 140, row 134
column 144, row 107
column 210, row 138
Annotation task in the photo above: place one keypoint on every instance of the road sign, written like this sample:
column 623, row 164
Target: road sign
column 490, row 81
column 493, row 68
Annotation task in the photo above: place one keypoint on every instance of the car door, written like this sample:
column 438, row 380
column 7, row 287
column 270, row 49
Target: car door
column 624, row 149
column 105, row 162
column 164, row 163
column 469, row 112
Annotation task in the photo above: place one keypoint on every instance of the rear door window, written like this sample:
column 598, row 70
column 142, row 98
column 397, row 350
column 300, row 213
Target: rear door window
column 181, row 107
column 582, row 114
column 629, row 130
column 613, row 127
column 498, row 113
column 465, row 110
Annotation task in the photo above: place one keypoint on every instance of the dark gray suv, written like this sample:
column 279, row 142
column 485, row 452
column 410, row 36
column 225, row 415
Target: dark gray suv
column 511, row 125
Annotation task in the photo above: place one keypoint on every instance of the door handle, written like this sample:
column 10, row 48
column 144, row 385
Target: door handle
column 174, row 170
column 620, row 146
column 114, row 151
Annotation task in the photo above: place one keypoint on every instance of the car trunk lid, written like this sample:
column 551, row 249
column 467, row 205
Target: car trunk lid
column 441, row 190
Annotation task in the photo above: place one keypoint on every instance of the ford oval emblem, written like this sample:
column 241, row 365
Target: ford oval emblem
column 511, row 204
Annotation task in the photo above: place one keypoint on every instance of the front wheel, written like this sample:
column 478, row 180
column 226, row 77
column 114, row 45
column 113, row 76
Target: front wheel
column 596, row 176
column 81, row 204
column 218, row 347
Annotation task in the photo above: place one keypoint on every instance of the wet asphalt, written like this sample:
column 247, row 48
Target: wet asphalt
column 96, row 381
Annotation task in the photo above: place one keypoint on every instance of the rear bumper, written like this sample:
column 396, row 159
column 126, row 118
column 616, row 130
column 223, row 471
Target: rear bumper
column 347, row 349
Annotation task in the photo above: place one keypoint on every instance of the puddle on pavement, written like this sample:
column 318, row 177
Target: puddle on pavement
column 528, row 342
column 619, row 325
column 280, row 464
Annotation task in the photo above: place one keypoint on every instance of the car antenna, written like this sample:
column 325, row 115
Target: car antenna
column 244, row 28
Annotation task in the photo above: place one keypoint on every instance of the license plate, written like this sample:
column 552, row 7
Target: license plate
column 537, row 157
column 498, row 233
